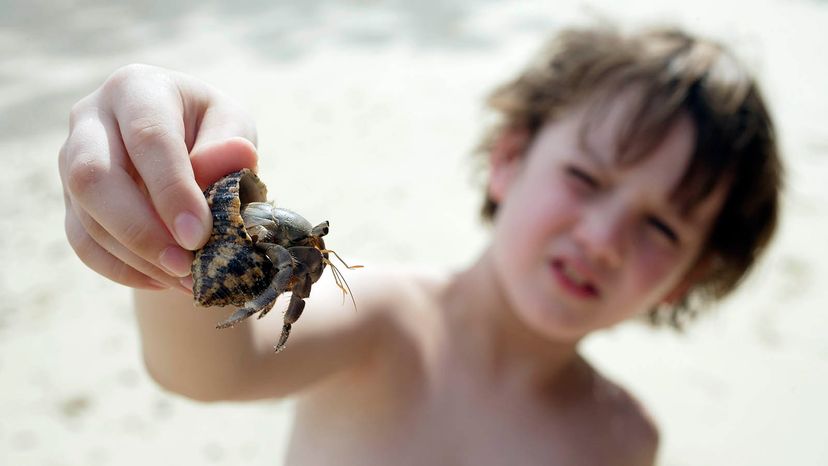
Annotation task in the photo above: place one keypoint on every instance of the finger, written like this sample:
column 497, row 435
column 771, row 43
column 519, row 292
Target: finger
column 100, row 187
column 98, row 259
column 106, row 241
column 223, row 119
column 213, row 160
column 152, row 128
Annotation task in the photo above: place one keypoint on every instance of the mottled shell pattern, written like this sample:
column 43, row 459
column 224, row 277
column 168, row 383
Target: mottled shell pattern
column 228, row 270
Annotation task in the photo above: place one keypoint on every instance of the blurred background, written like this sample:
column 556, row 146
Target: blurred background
column 368, row 112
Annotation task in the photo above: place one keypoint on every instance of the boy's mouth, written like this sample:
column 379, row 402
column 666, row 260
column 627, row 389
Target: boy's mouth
column 572, row 280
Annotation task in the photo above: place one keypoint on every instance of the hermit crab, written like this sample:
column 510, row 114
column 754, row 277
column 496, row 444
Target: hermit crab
column 258, row 251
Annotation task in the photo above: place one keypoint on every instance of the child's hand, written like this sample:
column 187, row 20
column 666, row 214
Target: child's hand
column 140, row 150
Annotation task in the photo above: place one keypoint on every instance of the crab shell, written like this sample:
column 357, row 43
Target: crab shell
column 228, row 270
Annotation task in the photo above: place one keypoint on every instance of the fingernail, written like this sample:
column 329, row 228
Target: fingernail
column 189, row 230
column 187, row 282
column 176, row 260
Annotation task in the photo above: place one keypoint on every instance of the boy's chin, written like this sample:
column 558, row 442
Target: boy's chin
column 555, row 324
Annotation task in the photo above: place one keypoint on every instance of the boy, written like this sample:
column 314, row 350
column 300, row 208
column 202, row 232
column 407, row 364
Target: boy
column 631, row 174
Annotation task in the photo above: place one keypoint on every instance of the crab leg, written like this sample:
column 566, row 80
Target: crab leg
column 309, row 263
column 294, row 311
column 244, row 313
column 283, row 262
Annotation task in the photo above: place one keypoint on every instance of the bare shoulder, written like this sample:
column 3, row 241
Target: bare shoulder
column 404, row 298
column 390, row 291
column 380, row 340
column 399, row 314
column 386, row 300
column 394, row 283
column 631, row 433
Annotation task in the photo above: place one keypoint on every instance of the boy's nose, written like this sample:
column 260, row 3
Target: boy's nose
column 601, row 235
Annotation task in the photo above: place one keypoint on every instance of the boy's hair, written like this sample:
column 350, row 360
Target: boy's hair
column 673, row 74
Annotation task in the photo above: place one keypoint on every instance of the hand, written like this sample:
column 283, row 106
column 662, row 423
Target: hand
column 140, row 151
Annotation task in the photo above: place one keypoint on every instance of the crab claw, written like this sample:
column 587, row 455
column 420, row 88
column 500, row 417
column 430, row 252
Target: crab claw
column 294, row 311
column 237, row 317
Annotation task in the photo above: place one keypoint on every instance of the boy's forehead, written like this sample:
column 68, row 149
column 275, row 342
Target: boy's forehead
column 607, row 130
column 611, row 122
column 600, row 126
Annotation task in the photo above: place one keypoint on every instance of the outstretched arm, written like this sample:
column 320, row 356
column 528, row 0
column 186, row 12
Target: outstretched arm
column 140, row 150
column 185, row 352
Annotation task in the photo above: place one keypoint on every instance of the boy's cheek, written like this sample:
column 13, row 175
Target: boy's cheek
column 659, row 279
column 557, row 211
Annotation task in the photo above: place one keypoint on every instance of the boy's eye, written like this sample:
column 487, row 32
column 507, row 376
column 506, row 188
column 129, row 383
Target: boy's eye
column 583, row 177
column 663, row 229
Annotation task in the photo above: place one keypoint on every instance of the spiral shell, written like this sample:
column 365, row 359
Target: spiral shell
column 228, row 270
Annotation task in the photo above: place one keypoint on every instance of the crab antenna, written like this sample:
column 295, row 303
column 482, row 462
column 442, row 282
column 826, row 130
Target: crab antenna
column 336, row 276
column 350, row 267
column 339, row 279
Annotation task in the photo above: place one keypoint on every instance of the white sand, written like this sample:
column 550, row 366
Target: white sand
column 377, row 106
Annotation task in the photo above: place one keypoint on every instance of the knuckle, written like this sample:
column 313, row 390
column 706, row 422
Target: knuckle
column 79, row 109
column 68, row 152
column 131, row 69
column 81, row 242
column 147, row 131
column 151, row 137
column 137, row 237
column 168, row 190
column 62, row 157
column 75, row 113
column 124, row 77
column 127, row 81
column 83, row 174
column 67, row 149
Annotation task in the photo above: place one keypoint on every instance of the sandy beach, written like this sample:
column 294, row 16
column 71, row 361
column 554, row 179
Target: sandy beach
column 368, row 112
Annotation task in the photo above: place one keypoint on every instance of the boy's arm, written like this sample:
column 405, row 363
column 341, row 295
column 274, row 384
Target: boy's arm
column 185, row 353
column 141, row 148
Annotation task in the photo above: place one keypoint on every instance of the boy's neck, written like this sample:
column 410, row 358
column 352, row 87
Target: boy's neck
column 495, row 340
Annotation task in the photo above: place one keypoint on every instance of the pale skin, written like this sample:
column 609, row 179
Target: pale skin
column 475, row 367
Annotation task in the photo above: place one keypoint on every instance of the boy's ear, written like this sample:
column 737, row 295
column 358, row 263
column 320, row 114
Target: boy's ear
column 505, row 158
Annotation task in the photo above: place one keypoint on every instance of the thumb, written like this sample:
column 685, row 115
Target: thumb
column 215, row 159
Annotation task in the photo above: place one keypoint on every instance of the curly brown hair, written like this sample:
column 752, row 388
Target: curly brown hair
column 676, row 74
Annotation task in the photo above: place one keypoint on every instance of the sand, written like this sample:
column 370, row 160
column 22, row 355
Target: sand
column 367, row 114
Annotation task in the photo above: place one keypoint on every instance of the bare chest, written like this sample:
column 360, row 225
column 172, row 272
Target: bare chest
column 450, row 421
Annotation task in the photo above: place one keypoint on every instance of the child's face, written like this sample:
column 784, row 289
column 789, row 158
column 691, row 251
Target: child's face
column 582, row 242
